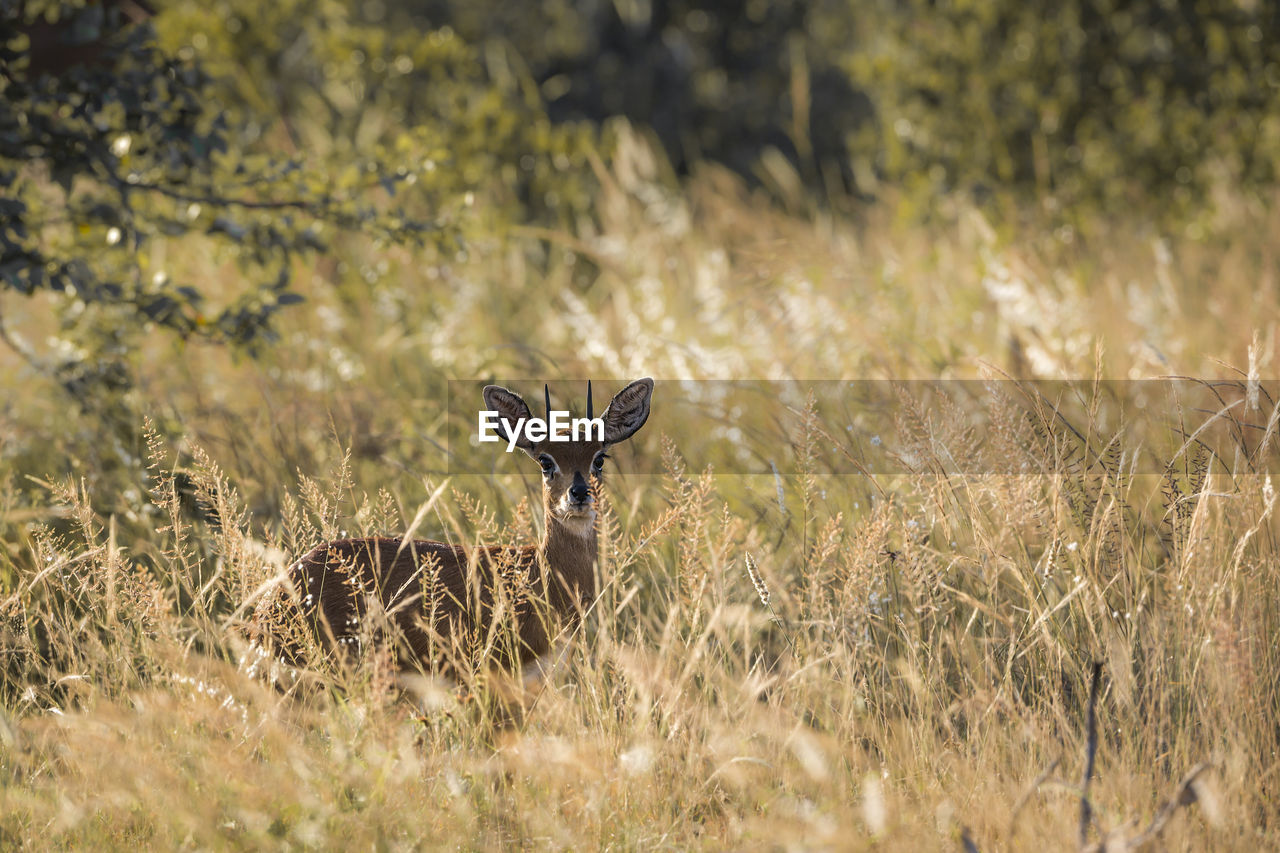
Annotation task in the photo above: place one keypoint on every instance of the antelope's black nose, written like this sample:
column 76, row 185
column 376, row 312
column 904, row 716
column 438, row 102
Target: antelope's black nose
column 579, row 490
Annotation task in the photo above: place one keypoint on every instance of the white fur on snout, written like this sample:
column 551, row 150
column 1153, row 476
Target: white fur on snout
column 575, row 519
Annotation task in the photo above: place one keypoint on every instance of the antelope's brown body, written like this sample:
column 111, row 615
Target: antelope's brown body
column 444, row 607
column 442, row 601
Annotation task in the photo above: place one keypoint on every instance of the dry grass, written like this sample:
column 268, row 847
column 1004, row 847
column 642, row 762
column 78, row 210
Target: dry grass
column 919, row 679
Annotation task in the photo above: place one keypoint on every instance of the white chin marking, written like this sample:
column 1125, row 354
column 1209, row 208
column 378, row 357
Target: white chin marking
column 580, row 524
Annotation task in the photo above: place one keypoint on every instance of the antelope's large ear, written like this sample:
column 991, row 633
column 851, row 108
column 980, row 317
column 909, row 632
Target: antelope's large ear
column 627, row 411
column 511, row 407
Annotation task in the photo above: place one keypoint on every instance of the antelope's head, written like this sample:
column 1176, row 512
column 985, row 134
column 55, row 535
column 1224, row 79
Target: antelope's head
column 572, row 470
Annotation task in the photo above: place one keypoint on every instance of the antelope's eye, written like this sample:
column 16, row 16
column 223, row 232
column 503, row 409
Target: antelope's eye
column 548, row 465
column 597, row 464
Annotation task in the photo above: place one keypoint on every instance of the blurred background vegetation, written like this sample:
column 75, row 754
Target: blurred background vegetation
column 271, row 130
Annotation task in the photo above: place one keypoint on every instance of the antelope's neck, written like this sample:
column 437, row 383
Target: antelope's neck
column 568, row 556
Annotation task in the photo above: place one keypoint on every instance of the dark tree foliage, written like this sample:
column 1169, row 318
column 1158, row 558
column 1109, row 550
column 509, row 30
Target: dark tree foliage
column 714, row 79
column 107, row 142
column 359, row 80
column 1082, row 104
column 1085, row 103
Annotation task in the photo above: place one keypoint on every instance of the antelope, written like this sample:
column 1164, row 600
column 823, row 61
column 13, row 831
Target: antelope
column 443, row 599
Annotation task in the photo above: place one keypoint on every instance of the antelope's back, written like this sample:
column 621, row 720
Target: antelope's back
column 429, row 591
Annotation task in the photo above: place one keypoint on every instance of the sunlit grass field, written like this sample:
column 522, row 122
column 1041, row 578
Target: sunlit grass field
column 919, row 678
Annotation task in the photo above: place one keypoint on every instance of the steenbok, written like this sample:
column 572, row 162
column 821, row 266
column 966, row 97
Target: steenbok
column 443, row 607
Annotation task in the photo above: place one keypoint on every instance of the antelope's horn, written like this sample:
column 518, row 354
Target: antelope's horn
column 546, row 390
column 590, row 414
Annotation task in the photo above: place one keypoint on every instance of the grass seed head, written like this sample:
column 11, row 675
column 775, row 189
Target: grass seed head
column 757, row 580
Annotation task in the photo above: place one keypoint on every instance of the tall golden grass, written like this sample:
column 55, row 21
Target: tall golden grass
column 917, row 675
